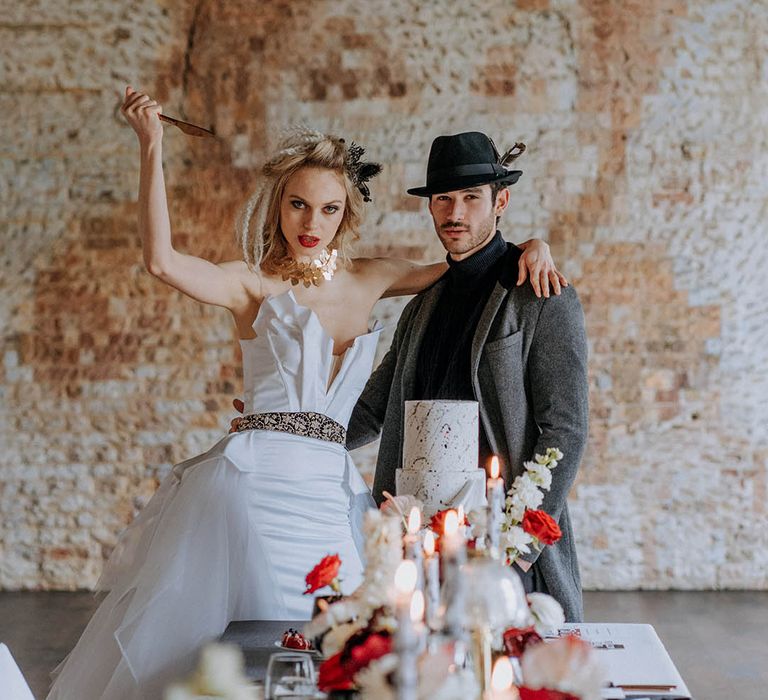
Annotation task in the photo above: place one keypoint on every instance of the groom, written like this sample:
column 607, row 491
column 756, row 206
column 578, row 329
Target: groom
column 475, row 335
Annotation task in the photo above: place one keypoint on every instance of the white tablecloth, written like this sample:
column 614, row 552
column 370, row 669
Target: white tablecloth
column 632, row 654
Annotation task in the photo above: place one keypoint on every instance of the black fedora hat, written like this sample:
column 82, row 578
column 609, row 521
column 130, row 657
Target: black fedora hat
column 465, row 160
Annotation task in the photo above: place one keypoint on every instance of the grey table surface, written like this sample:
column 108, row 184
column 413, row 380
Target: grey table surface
column 257, row 640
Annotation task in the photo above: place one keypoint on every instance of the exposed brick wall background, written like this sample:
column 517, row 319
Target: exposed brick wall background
column 647, row 130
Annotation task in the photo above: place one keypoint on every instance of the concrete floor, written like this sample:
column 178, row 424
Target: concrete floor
column 718, row 640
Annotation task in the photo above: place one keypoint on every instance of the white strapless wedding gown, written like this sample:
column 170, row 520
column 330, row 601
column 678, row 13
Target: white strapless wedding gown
column 232, row 533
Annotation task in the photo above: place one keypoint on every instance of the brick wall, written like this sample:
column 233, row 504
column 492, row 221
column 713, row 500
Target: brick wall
column 647, row 156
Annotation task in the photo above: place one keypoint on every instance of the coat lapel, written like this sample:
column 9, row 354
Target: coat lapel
column 498, row 295
column 419, row 325
column 492, row 306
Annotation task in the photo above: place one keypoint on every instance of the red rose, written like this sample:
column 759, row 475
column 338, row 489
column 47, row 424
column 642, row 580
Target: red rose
column 437, row 522
column 518, row 639
column 373, row 647
column 542, row 526
column 544, row 694
column 333, row 675
column 324, row 574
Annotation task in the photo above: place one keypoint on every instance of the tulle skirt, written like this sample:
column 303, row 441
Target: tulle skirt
column 229, row 535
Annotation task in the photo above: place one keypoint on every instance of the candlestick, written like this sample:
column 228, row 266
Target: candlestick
column 417, row 618
column 454, row 555
column 412, row 545
column 495, row 497
column 406, row 639
column 431, row 582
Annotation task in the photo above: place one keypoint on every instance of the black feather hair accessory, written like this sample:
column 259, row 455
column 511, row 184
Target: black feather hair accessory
column 360, row 171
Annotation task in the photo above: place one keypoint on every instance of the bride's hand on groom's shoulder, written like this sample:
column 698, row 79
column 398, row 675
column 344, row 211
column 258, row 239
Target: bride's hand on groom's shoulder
column 537, row 264
column 235, row 422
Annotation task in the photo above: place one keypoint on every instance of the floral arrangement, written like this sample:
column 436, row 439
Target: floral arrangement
column 546, row 615
column 357, row 633
column 332, row 627
column 524, row 526
column 363, row 646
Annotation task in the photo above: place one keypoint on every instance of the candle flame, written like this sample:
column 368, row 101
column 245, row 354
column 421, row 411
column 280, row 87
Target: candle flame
column 429, row 543
column 494, row 467
column 417, row 606
column 451, row 523
column 405, row 577
column 414, row 521
column 502, row 675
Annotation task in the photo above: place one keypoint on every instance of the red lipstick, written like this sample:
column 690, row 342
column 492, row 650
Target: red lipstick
column 308, row 241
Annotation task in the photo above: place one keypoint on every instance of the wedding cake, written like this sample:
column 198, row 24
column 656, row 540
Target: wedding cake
column 440, row 455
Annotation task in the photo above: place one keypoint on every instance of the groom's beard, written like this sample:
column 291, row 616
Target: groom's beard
column 469, row 237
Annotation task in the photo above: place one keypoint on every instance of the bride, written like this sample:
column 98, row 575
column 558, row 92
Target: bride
column 230, row 534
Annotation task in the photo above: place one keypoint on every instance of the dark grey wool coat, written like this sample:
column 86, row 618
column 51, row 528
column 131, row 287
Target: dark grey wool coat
column 529, row 372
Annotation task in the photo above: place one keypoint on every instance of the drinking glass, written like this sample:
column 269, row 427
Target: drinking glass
column 289, row 675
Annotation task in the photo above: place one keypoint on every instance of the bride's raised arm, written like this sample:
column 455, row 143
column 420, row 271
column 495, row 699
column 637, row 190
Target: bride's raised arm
column 207, row 282
column 403, row 277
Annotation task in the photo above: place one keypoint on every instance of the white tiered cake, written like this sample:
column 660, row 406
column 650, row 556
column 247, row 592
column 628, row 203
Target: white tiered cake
column 440, row 455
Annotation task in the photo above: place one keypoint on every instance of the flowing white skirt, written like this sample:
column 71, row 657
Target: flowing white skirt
column 229, row 535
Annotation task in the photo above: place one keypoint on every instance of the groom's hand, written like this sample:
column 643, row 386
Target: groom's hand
column 235, row 422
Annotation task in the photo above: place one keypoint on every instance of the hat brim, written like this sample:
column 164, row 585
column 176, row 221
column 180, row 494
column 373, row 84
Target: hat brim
column 462, row 183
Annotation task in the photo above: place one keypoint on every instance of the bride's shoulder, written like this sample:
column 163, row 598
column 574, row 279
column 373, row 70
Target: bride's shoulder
column 258, row 283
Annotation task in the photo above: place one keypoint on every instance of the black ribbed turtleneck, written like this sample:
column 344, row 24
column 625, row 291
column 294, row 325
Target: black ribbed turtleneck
column 443, row 370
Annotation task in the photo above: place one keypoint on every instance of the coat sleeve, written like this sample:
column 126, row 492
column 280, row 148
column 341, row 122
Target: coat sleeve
column 557, row 373
column 368, row 415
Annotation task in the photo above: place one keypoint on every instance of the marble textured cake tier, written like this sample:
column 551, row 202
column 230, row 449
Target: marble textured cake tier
column 440, row 436
column 440, row 454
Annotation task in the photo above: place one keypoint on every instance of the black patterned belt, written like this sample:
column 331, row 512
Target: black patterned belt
column 305, row 423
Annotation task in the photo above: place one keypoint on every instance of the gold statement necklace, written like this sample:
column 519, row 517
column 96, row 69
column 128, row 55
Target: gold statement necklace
column 322, row 268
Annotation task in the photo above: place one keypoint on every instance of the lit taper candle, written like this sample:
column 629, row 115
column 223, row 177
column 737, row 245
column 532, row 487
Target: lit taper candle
column 495, row 495
column 406, row 638
column 431, row 581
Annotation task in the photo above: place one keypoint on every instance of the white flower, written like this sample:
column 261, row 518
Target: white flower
column 527, row 491
column 400, row 506
column 516, row 538
column 478, row 520
column 220, row 674
column 222, row 668
column 568, row 664
column 383, row 554
column 515, row 510
column 541, row 474
column 547, row 612
column 553, row 454
column 459, row 685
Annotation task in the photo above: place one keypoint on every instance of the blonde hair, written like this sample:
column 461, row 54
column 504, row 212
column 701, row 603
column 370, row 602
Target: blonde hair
column 258, row 231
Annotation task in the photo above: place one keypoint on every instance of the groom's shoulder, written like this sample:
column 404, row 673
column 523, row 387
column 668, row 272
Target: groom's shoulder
column 509, row 270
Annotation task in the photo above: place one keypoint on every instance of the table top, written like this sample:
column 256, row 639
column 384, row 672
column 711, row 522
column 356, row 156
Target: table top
column 632, row 654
